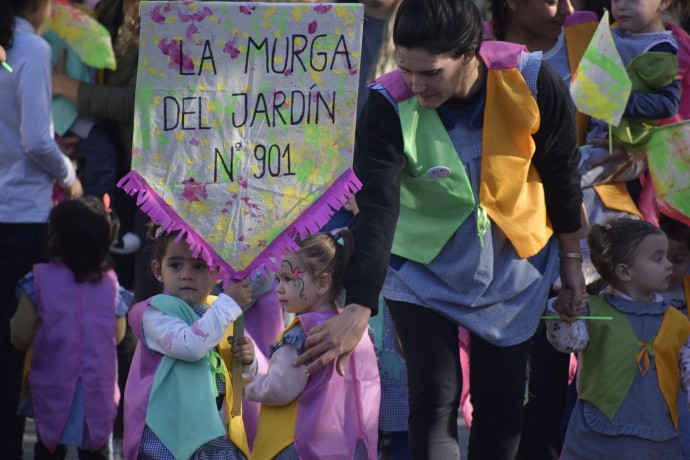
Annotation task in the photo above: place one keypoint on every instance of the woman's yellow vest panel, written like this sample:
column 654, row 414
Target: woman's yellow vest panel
column 609, row 364
column 432, row 207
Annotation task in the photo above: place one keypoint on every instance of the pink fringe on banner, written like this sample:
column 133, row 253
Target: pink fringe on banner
column 309, row 222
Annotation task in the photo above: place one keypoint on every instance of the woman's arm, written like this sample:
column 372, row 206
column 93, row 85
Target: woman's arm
column 35, row 105
column 111, row 102
column 556, row 158
column 283, row 383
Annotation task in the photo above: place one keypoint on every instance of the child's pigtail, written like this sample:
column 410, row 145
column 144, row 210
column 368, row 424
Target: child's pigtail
column 342, row 255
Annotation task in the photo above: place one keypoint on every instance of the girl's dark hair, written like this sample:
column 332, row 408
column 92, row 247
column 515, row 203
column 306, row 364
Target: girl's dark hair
column 160, row 240
column 80, row 233
column 616, row 243
column 9, row 9
column 450, row 27
column 322, row 253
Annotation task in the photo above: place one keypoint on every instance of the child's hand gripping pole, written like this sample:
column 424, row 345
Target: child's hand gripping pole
column 241, row 292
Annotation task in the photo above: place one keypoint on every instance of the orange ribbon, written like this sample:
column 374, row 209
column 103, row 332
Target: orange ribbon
column 643, row 355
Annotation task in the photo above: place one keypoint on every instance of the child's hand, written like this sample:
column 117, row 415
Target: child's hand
column 242, row 350
column 3, row 55
column 240, row 292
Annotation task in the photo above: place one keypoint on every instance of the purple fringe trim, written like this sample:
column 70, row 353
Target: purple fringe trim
column 309, row 222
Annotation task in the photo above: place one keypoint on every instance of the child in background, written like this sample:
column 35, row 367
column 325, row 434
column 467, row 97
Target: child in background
column 678, row 235
column 178, row 395
column 648, row 52
column 71, row 311
column 678, row 291
column 319, row 415
column 629, row 375
column 96, row 152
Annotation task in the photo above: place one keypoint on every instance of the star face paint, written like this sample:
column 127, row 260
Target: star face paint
column 296, row 288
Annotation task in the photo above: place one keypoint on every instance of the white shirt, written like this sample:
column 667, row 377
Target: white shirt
column 29, row 157
column 173, row 337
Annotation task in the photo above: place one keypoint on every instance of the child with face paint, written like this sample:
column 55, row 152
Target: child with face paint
column 321, row 414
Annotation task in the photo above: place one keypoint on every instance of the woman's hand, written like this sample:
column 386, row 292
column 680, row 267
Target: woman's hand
column 62, row 84
column 573, row 283
column 335, row 339
column 572, row 278
column 242, row 349
column 620, row 158
column 563, row 305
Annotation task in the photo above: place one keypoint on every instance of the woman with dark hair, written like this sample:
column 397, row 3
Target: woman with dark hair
column 468, row 160
column 30, row 162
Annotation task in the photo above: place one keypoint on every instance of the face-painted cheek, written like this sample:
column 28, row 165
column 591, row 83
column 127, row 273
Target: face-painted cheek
column 296, row 283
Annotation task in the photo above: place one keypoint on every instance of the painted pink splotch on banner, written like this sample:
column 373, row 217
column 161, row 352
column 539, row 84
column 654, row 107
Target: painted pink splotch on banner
column 244, row 124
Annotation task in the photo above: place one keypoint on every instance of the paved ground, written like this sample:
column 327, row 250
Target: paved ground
column 30, row 439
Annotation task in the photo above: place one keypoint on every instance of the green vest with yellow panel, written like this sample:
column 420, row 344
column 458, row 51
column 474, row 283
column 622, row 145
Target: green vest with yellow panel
column 610, row 362
column 433, row 208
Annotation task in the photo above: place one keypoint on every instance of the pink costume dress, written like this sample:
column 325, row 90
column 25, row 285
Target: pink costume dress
column 74, row 342
column 334, row 417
